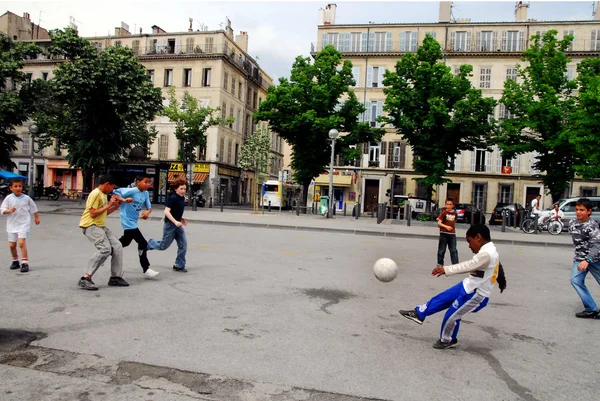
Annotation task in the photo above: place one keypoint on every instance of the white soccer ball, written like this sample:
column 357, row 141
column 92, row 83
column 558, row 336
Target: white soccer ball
column 385, row 270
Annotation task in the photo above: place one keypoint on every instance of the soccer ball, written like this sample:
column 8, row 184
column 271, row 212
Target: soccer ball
column 385, row 270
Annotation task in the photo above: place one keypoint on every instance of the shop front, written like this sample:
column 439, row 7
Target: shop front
column 229, row 180
column 171, row 171
column 344, row 188
column 59, row 170
column 125, row 176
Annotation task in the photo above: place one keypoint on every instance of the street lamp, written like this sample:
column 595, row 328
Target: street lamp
column 333, row 134
column 33, row 129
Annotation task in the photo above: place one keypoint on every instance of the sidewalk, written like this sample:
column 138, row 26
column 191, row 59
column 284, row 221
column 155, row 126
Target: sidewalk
column 365, row 225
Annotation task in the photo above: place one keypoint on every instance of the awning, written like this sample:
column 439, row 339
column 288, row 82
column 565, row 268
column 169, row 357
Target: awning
column 199, row 178
column 338, row 180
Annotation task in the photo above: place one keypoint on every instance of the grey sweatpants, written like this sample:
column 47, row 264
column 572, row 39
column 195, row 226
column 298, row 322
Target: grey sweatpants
column 106, row 244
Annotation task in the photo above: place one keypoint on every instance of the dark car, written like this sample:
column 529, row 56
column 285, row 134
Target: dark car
column 516, row 211
column 467, row 213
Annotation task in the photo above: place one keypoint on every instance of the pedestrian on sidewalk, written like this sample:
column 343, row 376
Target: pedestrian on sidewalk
column 18, row 207
column 93, row 225
column 586, row 238
column 129, row 215
column 470, row 295
column 446, row 222
column 173, row 227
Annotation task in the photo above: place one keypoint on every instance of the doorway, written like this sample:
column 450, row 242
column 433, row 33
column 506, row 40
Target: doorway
column 453, row 192
column 530, row 194
column 371, row 195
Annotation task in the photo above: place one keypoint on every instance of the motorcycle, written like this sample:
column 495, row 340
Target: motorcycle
column 52, row 192
column 4, row 190
column 200, row 201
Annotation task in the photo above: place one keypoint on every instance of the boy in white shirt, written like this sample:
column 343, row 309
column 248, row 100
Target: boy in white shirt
column 18, row 207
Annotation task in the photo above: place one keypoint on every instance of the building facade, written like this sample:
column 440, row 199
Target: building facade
column 215, row 68
column 480, row 177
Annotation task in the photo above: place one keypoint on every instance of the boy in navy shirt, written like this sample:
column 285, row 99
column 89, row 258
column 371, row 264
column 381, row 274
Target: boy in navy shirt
column 173, row 227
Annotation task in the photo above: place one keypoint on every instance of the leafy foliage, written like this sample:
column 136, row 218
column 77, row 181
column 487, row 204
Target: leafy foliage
column 255, row 151
column 438, row 113
column 540, row 103
column 14, row 95
column 314, row 100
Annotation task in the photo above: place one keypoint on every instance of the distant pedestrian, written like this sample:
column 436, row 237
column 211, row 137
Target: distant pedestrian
column 173, row 227
column 93, row 225
column 130, row 213
column 586, row 238
column 447, row 222
column 18, row 207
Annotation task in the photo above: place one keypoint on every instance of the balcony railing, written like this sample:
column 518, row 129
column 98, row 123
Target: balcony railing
column 578, row 45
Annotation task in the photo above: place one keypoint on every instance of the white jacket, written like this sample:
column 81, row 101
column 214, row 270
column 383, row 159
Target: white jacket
column 483, row 269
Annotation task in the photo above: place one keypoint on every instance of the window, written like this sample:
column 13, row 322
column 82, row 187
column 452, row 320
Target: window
column 206, row 76
column 533, row 163
column 485, row 78
column 237, row 151
column 460, row 41
column 97, row 45
column 381, row 42
column 187, row 77
column 254, row 97
column 511, row 73
column 189, row 45
column 208, row 45
column 374, row 151
column 151, row 75
column 566, row 33
column 421, row 190
column 168, row 77
column 397, row 151
column 480, row 196
column 225, row 80
column 45, row 76
column 238, row 120
column 221, row 148
column 117, row 43
column 505, row 113
column 28, row 77
column 224, row 110
column 231, row 116
column 486, row 41
column 229, row 149
column 355, row 40
column 505, row 193
column 233, row 86
column 570, row 72
column 586, row 192
column 163, row 147
column 375, row 77
column 356, row 76
column 373, row 109
column 512, row 41
column 481, row 160
column 408, row 41
column 25, row 144
column 432, row 34
column 240, row 91
column 135, row 47
column 330, row 39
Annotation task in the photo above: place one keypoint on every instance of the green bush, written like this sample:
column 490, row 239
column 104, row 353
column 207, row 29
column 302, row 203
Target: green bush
column 424, row 217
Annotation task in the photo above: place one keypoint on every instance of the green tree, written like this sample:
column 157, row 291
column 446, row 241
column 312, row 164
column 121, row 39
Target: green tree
column 304, row 108
column 106, row 100
column 438, row 113
column 584, row 121
column 255, row 155
column 14, row 95
column 540, row 103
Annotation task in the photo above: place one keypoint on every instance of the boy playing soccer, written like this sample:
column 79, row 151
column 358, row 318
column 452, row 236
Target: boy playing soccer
column 19, row 207
column 586, row 238
column 130, row 212
column 173, row 227
column 446, row 222
column 470, row 295
column 93, row 224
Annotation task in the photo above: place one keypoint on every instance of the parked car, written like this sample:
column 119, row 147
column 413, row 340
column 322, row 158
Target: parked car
column 516, row 211
column 568, row 208
column 467, row 213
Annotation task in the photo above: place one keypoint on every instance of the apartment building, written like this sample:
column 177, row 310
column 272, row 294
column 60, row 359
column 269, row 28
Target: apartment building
column 479, row 177
column 213, row 66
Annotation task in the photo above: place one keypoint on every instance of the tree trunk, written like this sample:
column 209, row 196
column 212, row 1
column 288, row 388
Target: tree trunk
column 305, row 186
column 88, row 175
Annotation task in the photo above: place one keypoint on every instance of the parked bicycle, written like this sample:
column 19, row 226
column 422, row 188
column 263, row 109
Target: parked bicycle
column 553, row 226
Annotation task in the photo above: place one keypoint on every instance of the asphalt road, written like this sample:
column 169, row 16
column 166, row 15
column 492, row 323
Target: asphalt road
column 286, row 315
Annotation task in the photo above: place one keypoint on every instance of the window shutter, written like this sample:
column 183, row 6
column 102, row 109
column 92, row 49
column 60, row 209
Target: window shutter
column 452, row 40
column 380, row 112
column 494, row 44
column 502, row 111
column 372, row 42
column 503, row 45
column 356, row 76
column 365, row 147
column 403, row 46
column 498, row 156
column 363, row 46
column 402, row 158
column 484, row 203
column 468, row 48
column 488, row 162
column 177, row 45
column 413, row 41
column 370, row 77
column 380, row 72
column 515, row 165
column 594, row 40
column 521, row 44
column 383, row 148
column 388, row 42
column 458, row 162
column 478, row 42
column 323, row 41
column 368, row 111
column 390, row 154
column 473, row 157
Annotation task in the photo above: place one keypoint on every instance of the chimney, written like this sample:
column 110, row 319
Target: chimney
column 329, row 14
column 228, row 29
column 156, row 29
column 445, row 11
column 26, row 16
column 321, row 16
column 521, row 12
column 242, row 41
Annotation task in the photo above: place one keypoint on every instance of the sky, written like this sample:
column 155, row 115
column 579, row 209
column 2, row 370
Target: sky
column 278, row 31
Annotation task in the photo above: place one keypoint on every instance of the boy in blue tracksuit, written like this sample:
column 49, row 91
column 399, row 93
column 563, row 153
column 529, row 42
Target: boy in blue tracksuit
column 135, row 199
column 470, row 295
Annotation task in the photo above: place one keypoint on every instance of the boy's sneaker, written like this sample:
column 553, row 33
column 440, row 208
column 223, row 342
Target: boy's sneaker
column 442, row 345
column 117, row 282
column 87, row 284
column 180, row 269
column 587, row 314
column 150, row 273
column 412, row 315
column 24, row 268
column 14, row 265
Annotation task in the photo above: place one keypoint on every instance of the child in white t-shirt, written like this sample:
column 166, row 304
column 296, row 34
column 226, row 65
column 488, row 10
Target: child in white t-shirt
column 18, row 207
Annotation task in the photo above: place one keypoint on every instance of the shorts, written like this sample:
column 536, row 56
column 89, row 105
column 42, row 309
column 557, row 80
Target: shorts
column 12, row 237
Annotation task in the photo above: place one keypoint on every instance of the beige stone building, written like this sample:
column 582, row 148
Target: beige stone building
column 213, row 66
column 493, row 49
column 21, row 28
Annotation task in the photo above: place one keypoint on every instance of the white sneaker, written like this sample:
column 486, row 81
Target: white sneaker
column 150, row 273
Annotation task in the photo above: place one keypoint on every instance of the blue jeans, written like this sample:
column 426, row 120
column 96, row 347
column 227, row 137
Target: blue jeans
column 450, row 241
column 172, row 232
column 578, row 282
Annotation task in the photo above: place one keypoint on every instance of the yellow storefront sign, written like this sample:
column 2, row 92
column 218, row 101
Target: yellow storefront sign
column 198, row 167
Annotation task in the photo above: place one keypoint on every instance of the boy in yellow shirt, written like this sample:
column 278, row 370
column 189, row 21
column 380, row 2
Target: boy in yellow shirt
column 93, row 224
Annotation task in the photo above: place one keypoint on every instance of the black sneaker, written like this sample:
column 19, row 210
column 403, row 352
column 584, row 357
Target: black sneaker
column 117, row 282
column 442, row 345
column 24, row 268
column 87, row 284
column 412, row 315
column 587, row 314
column 180, row 269
column 14, row 265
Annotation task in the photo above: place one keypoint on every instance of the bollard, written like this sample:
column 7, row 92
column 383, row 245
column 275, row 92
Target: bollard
column 221, row 197
column 333, row 208
column 194, row 204
column 344, row 209
column 210, row 203
column 312, row 208
column 269, row 206
column 514, row 217
column 504, row 218
column 357, row 210
column 535, row 223
column 408, row 213
column 297, row 208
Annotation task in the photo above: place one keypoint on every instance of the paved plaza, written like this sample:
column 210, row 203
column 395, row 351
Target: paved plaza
column 286, row 314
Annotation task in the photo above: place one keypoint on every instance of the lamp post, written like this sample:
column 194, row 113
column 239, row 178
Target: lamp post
column 333, row 134
column 33, row 129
